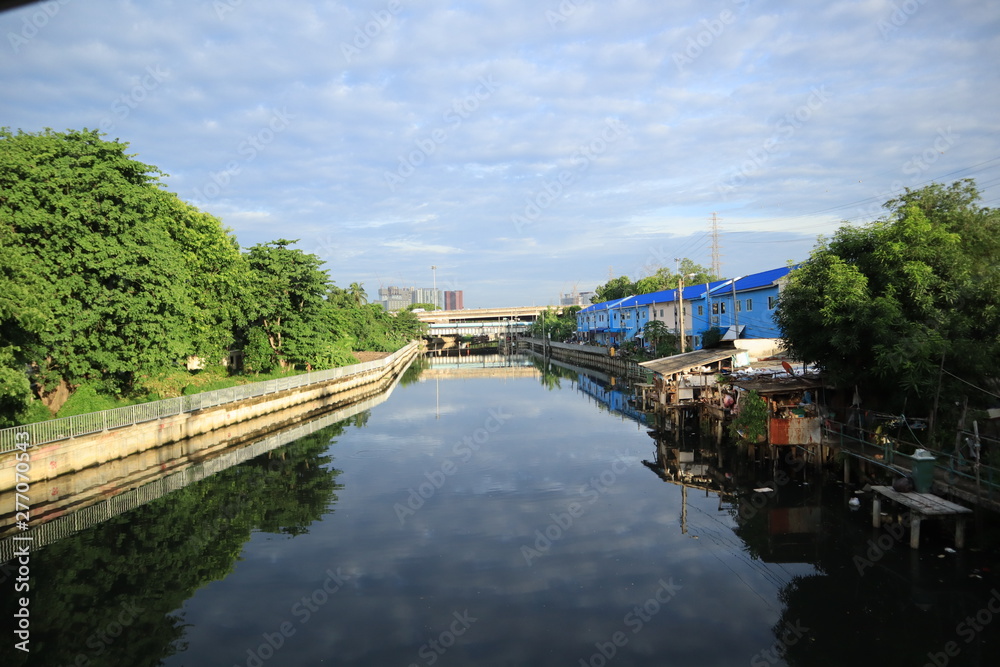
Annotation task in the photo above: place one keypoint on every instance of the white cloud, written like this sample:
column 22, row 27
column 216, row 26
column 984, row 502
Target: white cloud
column 690, row 130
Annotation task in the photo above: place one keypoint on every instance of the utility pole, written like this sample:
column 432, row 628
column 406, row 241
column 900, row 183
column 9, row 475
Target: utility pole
column 736, row 311
column 434, row 277
column 680, row 298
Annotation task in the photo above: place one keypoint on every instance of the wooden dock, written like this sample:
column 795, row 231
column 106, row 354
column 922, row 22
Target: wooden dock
column 921, row 506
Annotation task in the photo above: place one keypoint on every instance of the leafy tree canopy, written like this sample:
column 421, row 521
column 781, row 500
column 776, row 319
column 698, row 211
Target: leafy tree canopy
column 661, row 279
column 108, row 280
column 903, row 302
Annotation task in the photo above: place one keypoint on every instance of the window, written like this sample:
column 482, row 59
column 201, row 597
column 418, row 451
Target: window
column 715, row 308
column 771, row 302
column 739, row 305
column 722, row 307
column 749, row 304
column 701, row 310
column 661, row 312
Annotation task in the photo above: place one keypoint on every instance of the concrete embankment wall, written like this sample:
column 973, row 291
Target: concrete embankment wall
column 194, row 433
column 588, row 356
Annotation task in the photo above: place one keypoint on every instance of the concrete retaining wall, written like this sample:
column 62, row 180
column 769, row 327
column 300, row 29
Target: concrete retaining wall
column 195, row 432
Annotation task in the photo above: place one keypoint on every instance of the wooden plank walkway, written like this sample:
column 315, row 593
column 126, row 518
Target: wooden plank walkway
column 921, row 506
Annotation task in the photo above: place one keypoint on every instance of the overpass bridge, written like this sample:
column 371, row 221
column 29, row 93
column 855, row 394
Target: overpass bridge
column 492, row 322
column 485, row 328
column 515, row 313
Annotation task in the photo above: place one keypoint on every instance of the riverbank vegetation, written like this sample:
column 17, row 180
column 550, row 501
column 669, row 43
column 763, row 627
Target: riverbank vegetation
column 108, row 281
column 906, row 309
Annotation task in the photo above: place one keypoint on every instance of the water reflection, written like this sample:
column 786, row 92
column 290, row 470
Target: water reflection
column 535, row 528
column 114, row 594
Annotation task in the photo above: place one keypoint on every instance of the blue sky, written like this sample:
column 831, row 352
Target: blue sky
column 523, row 147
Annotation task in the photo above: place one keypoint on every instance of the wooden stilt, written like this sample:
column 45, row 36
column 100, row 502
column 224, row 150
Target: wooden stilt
column 876, row 512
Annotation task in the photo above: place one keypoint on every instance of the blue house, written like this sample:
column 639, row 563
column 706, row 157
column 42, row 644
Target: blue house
column 741, row 307
column 601, row 323
column 744, row 307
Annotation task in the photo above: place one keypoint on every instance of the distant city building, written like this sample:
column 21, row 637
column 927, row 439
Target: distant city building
column 398, row 298
column 576, row 299
column 427, row 295
column 453, row 300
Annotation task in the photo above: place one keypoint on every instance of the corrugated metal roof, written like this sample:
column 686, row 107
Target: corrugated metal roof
column 688, row 360
column 762, row 279
column 604, row 305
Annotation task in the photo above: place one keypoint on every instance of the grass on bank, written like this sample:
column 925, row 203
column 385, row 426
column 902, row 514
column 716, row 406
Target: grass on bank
column 178, row 382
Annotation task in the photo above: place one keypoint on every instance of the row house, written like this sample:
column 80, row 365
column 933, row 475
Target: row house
column 740, row 307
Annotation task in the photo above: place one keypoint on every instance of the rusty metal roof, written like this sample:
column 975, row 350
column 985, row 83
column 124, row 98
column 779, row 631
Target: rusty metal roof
column 682, row 362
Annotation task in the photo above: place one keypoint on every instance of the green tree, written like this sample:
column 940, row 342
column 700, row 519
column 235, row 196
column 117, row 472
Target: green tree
column 750, row 424
column 558, row 327
column 219, row 279
column 889, row 305
column 662, row 279
column 616, row 288
column 93, row 230
column 358, row 293
column 287, row 308
column 663, row 341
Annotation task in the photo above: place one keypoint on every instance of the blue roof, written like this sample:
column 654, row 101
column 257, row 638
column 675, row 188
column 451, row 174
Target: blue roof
column 604, row 305
column 762, row 279
column 752, row 281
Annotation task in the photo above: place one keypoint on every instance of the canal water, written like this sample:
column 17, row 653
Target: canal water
column 506, row 517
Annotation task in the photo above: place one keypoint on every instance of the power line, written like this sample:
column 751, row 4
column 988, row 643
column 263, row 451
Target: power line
column 970, row 384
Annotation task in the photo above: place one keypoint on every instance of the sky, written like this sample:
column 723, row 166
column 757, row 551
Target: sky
column 524, row 148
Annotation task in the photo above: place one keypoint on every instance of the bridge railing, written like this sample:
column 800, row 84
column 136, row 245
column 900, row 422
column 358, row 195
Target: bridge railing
column 64, row 428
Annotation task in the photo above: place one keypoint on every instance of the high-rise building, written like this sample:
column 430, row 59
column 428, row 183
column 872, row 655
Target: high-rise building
column 453, row 300
column 397, row 298
column 576, row 299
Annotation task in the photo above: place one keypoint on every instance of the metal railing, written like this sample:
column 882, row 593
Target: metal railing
column 64, row 428
column 73, row 521
column 953, row 468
